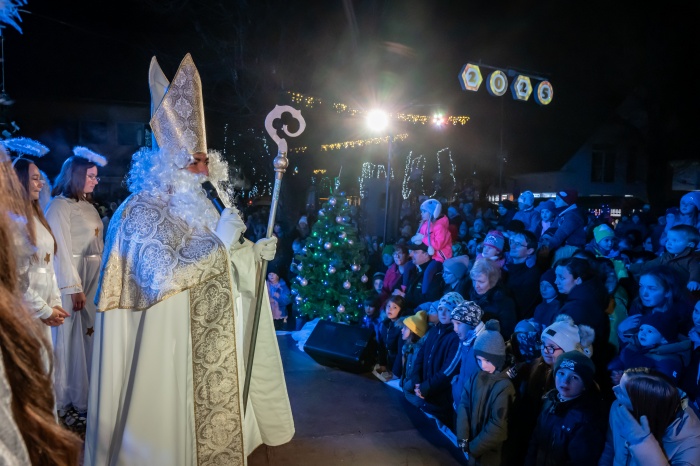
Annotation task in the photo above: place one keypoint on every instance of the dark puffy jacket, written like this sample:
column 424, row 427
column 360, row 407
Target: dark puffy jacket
column 570, row 225
column 670, row 358
column 569, row 433
column 586, row 304
column 686, row 265
column 545, row 312
column 410, row 353
column 437, row 362
column 523, row 284
column 496, row 304
column 425, row 285
column 390, row 345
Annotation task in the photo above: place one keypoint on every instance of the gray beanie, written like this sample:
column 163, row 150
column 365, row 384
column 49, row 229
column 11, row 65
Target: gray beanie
column 457, row 266
column 490, row 345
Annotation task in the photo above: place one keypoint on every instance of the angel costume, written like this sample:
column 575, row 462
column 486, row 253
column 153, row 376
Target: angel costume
column 42, row 294
column 77, row 227
column 174, row 306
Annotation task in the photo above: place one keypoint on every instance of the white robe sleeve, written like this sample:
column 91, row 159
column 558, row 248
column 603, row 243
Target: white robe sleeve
column 58, row 216
column 40, row 309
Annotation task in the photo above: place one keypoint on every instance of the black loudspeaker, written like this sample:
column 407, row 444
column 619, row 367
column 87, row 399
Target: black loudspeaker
column 347, row 347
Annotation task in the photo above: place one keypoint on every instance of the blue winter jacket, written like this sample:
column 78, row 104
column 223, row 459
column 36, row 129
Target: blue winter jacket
column 437, row 362
column 570, row 225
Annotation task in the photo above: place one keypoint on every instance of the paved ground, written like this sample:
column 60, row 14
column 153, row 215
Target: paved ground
column 343, row 418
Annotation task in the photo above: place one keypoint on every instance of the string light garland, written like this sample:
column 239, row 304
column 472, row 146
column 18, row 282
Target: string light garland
column 369, row 171
column 418, row 163
column 362, row 142
column 310, row 102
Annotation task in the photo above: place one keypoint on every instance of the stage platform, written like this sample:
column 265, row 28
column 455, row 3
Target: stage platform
column 343, row 418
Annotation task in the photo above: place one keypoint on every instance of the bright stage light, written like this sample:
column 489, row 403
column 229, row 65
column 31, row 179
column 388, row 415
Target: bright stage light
column 378, row 120
column 438, row 120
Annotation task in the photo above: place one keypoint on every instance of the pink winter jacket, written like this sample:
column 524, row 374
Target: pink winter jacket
column 440, row 238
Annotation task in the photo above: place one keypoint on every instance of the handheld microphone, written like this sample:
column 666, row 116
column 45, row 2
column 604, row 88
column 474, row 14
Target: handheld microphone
column 213, row 196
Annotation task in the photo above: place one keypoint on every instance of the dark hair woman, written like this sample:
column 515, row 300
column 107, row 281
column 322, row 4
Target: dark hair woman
column 650, row 423
column 660, row 290
column 77, row 227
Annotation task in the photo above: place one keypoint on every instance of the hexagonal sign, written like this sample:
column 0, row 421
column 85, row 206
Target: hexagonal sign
column 470, row 77
column 521, row 88
column 497, row 84
column 544, row 93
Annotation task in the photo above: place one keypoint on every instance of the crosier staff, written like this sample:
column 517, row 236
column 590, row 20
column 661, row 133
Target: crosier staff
column 280, row 163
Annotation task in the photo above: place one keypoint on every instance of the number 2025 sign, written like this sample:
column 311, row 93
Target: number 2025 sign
column 470, row 78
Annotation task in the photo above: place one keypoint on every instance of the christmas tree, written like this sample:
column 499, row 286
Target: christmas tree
column 331, row 280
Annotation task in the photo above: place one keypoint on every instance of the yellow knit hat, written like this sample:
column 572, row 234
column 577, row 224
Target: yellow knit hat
column 417, row 323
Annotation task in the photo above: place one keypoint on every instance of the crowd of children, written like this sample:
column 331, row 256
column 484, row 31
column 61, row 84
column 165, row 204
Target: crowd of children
column 546, row 345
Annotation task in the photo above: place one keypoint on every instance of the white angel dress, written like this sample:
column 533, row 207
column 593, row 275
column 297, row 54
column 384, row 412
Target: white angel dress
column 174, row 310
column 77, row 227
column 42, row 293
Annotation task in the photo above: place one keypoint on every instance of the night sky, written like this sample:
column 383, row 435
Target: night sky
column 403, row 56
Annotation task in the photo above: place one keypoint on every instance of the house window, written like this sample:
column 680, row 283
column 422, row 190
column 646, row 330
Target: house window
column 93, row 132
column 603, row 163
column 131, row 134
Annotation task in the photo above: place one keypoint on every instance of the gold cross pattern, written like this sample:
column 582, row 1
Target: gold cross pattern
column 47, row 258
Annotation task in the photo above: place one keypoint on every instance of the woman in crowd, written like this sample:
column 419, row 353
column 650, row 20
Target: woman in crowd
column 398, row 275
column 29, row 433
column 491, row 296
column 455, row 275
column 650, row 424
column 585, row 299
column 42, row 295
column 659, row 291
column 77, row 227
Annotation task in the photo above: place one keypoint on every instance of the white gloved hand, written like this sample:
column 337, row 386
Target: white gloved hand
column 417, row 238
column 230, row 227
column 265, row 248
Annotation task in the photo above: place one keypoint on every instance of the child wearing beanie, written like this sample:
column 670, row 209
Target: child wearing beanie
column 434, row 231
column 492, row 248
column 526, row 212
column 548, row 309
column 562, row 336
column 655, row 346
column 483, row 411
column 571, row 426
column 412, row 333
column 603, row 245
column 467, row 321
column 436, row 364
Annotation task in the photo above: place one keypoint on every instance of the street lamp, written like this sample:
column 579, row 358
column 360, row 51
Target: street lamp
column 378, row 120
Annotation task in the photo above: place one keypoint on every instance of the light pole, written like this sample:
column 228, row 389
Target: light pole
column 378, row 120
